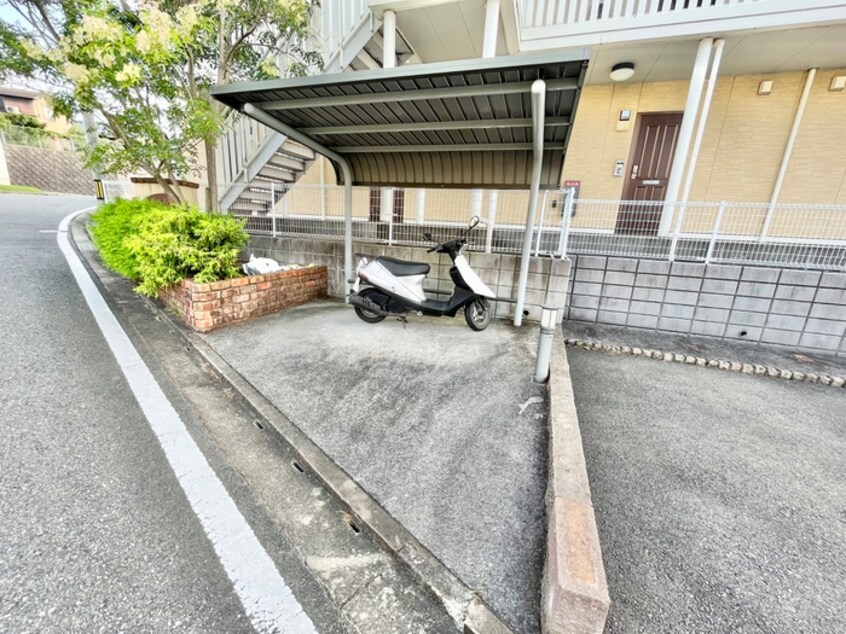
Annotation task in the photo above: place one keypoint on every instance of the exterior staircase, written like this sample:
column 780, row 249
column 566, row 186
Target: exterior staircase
column 256, row 165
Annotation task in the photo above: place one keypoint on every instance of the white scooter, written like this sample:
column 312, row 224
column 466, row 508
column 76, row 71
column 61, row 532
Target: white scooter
column 395, row 287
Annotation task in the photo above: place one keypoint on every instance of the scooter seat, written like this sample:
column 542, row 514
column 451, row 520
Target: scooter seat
column 402, row 268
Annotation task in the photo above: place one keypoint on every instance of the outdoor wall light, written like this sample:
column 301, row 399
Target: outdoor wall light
column 622, row 71
column 765, row 87
column 838, row 83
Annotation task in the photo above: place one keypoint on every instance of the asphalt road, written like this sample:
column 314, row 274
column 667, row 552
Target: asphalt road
column 720, row 497
column 96, row 534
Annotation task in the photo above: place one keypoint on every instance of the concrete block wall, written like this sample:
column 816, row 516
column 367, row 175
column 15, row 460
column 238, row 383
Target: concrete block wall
column 547, row 282
column 761, row 305
column 50, row 170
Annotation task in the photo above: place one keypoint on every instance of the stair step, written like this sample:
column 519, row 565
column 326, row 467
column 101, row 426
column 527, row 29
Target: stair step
column 272, row 173
column 287, row 162
column 297, row 150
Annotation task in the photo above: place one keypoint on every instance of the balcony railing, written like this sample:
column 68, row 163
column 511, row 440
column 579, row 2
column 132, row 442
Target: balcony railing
column 556, row 23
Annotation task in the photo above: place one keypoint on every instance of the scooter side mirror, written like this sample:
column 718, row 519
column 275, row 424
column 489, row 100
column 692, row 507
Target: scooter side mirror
column 427, row 236
column 475, row 220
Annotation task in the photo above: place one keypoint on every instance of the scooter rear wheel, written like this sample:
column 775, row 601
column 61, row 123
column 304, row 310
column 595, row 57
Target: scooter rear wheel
column 477, row 314
column 375, row 296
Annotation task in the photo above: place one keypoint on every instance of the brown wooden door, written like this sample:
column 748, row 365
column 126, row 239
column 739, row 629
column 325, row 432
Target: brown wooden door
column 649, row 170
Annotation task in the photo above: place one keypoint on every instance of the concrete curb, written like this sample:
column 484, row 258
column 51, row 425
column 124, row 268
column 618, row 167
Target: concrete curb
column 720, row 364
column 575, row 592
column 467, row 609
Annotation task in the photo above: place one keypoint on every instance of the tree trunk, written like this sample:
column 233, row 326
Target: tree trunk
column 210, row 146
column 172, row 188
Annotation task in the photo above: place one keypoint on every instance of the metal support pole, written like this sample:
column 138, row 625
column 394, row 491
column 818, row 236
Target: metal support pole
column 420, row 207
column 476, row 202
column 691, row 108
column 788, row 150
column 493, row 199
column 491, row 28
column 703, row 118
column 540, row 223
column 272, row 209
column 391, row 219
column 564, row 236
column 545, row 342
column 715, row 232
column 674, row 243
column 322, row 188
column 389, row 39
column 538, row 110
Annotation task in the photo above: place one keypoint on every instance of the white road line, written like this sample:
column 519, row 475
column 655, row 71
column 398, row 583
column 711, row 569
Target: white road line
column 267, row 600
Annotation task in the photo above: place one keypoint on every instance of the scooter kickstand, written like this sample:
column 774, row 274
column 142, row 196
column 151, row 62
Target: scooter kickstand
column 404, row 321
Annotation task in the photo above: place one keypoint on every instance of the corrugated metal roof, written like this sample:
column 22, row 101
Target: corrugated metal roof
column 456, row 124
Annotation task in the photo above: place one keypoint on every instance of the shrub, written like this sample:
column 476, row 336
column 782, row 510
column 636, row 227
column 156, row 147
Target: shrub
column 175, row 243
column 158, row 245
column 115, row 222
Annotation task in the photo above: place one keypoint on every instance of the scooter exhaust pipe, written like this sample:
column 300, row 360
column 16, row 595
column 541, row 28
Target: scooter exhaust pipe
column 369, row 304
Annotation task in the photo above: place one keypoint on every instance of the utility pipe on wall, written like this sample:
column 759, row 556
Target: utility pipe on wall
column 691, row 107
column 788, row 149
column 703, row 118
column 538, row 111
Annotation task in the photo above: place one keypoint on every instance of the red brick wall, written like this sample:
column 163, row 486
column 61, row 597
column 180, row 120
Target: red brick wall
column 205, row 307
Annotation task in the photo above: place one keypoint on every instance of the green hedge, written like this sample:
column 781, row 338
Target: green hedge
column 158, row 245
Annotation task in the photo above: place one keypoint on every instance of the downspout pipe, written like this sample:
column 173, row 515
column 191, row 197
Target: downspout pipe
column 538, row 111
column 691, row 108
column 273, row 123
column 703, row 118
column 491, row 28
column 788, row 150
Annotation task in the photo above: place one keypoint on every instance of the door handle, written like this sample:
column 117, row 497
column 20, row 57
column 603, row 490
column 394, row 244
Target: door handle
column 634, row 171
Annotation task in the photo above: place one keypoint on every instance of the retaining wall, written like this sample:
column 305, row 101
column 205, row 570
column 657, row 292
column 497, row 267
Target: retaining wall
column 50, row 170
column 761, row 305
column 547, row 282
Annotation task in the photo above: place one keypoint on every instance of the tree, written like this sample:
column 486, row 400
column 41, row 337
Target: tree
column 146, row 70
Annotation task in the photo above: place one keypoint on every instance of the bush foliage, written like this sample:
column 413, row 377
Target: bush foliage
column 158, row 245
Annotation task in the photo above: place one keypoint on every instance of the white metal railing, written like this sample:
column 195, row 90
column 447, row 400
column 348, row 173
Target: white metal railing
column 804, row 236
column 241, row 139
column 340, row 21
column 555, row 23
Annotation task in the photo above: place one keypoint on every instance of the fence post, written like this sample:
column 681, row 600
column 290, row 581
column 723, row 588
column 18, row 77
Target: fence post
column 493, row 200
column 563, row 237
column 540, row 223
column 672, row 255
column 391, row 222
column 710, row 253
column 272, row 209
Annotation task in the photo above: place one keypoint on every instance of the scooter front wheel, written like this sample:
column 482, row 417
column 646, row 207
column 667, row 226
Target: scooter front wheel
column 375, row 296
column 477, row 314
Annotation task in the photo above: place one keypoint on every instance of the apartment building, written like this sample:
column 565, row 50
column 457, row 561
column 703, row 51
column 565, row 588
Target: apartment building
column 683, row 101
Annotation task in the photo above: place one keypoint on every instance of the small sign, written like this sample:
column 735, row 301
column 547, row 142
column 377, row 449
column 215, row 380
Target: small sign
column 98, row 189
column 619, row 168
column 652, row 182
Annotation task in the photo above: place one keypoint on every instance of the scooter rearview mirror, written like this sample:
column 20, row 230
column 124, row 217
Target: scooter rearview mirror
column 474, row 221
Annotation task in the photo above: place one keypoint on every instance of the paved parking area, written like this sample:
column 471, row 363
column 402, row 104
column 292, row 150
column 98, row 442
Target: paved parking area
column 442, row 425
column 720, row 497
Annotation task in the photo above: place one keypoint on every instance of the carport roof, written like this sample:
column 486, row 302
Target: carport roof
column 453, row 124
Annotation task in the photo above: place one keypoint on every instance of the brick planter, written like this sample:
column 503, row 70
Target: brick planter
column 205, row 307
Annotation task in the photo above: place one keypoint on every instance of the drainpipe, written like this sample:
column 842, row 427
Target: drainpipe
column 691, row 107
column 275, row 124
column 788, row 150
column 703, row 119
column 389, row 39
column 538, row 108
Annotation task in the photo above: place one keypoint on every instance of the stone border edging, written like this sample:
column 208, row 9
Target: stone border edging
column 470, row 613
column 575, row 591
column 731, row 366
